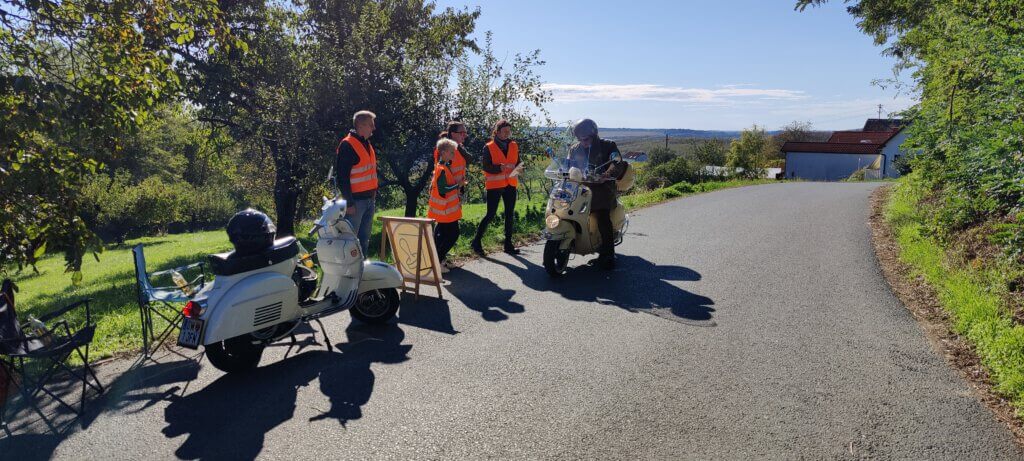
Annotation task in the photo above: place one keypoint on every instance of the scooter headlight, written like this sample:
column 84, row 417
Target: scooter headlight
column 552, row 221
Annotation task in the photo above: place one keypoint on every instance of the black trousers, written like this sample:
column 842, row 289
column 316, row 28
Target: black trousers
column 604, row 226
column 445, row 236
column 507, row 195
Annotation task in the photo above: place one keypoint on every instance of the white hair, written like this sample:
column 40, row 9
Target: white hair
column 445, row 144
column 362, row 116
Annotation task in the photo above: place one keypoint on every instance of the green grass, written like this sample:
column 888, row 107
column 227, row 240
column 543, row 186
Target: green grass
column 110, row 282
column 968, row 294
column 642, row 199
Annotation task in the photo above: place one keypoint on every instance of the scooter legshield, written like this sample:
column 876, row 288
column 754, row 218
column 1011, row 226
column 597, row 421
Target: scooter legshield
column 379, row 275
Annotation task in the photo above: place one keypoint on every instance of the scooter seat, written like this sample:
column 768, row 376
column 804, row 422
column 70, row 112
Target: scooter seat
column 232, row 263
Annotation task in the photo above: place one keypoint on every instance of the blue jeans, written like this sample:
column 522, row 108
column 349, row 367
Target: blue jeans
column 362, row 221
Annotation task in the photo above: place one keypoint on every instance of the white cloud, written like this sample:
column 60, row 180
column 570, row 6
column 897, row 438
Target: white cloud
column 566, row 92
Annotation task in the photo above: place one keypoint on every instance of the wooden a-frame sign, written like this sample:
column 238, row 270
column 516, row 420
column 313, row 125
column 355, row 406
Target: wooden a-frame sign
column 414, row 251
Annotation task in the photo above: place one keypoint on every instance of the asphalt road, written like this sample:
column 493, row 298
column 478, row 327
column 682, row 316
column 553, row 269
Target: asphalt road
column 744, row 323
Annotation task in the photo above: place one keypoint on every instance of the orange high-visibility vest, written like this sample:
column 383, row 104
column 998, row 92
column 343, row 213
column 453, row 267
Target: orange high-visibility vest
column 500, row 180
column 458, row 167
column 364, row 173
column 446, row 208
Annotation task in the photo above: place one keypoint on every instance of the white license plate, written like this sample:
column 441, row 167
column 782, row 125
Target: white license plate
column 191, row 332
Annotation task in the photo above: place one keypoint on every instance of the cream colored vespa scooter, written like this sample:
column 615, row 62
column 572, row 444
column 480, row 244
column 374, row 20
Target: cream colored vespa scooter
column 569, row 227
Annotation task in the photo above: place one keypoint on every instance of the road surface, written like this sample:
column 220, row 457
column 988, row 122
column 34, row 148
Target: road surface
column 745, row 323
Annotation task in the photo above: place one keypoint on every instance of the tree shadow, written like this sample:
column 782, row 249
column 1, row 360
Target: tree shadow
column 135, row 390
column 482, row 295
column 636, row 285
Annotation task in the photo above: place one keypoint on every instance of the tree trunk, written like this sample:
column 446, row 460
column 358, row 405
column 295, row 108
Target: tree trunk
column 410, row 202
column 285, row 200
column 286, row 193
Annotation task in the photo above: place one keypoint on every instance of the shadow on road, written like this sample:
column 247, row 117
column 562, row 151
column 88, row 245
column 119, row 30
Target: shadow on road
column 427, row 312
column 636, row 285
column 229, row 418
column 482, row 295
column 140, row 387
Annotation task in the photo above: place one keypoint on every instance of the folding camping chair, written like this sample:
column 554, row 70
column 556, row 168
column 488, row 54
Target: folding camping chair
column 50, row 349
column 160, row 300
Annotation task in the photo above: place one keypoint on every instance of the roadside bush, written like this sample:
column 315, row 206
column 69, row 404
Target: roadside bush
column 118, row 209
column 677, row 170
column 857, row 175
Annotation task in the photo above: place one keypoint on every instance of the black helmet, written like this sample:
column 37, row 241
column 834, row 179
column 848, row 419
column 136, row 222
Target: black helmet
column 584, row 128
column 251, row 231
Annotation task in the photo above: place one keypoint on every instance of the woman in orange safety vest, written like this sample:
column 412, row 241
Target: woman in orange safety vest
column 456, row 131
column 445, row 204
column 501, row 165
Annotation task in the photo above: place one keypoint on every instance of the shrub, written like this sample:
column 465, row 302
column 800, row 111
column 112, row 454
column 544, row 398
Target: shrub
column 677, row 170
column 118, row 209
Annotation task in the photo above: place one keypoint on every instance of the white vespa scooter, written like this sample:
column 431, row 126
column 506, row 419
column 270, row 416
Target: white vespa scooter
column 265, row 288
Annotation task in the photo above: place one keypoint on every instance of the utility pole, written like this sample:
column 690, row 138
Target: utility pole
column 879, row 111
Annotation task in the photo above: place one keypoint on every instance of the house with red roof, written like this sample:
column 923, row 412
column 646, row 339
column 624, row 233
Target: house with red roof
column 873, row 149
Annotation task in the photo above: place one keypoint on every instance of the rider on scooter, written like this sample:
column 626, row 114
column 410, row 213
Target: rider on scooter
column 590, row 150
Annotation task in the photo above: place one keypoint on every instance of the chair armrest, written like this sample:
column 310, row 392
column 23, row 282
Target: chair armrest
column 59, row 312
column 179, row 269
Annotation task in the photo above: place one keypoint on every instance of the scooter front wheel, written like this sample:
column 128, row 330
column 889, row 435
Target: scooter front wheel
column 235, row 355
column 555, row 258
column 376, row 306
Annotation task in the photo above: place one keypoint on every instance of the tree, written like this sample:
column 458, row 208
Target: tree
column 489, row 92
column 747, row 153
column 660, row 155
column 75, row 77
column 710, row 152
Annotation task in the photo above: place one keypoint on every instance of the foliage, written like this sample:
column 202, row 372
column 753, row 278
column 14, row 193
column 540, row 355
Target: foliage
column 710, row 152
column 748, row 152
column 488, row 92
column 660, row 155
column 677, row 170
column 968, row 129
column 974, row 297
column 76, row 75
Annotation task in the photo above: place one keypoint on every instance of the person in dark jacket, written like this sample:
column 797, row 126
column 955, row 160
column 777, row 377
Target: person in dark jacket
column 501, row 165
column 595, row 152
column 356, row 175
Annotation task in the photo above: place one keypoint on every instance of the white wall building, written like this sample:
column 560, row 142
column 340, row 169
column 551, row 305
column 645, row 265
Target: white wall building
column 846, row 152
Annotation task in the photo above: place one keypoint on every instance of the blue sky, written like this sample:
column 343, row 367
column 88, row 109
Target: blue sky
column 721, row 65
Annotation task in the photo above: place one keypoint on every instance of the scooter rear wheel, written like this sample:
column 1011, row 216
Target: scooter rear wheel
column 377, row 306
column 235, row 355
column 555, row 258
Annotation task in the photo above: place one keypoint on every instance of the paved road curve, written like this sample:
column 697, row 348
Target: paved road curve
column 744, row 323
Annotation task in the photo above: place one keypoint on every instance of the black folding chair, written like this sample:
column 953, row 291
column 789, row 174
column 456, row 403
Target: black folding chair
column 39, row 356
column 160, row 300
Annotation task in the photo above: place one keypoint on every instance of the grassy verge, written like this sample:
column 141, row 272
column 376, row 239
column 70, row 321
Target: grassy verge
column 110, row 282
column 642, row 199
column 971, row 295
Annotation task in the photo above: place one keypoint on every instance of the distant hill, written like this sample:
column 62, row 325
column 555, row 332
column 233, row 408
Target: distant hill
column 623, row 133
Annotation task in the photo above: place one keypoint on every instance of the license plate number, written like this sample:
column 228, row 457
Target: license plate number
column 191, row 332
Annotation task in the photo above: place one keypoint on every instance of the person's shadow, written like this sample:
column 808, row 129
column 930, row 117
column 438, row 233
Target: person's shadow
column 348, row 383
column 229, row 418
column 636, row 285
column 482, row 295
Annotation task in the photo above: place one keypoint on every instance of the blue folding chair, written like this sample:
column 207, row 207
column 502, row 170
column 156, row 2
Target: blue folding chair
column 161, row 300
